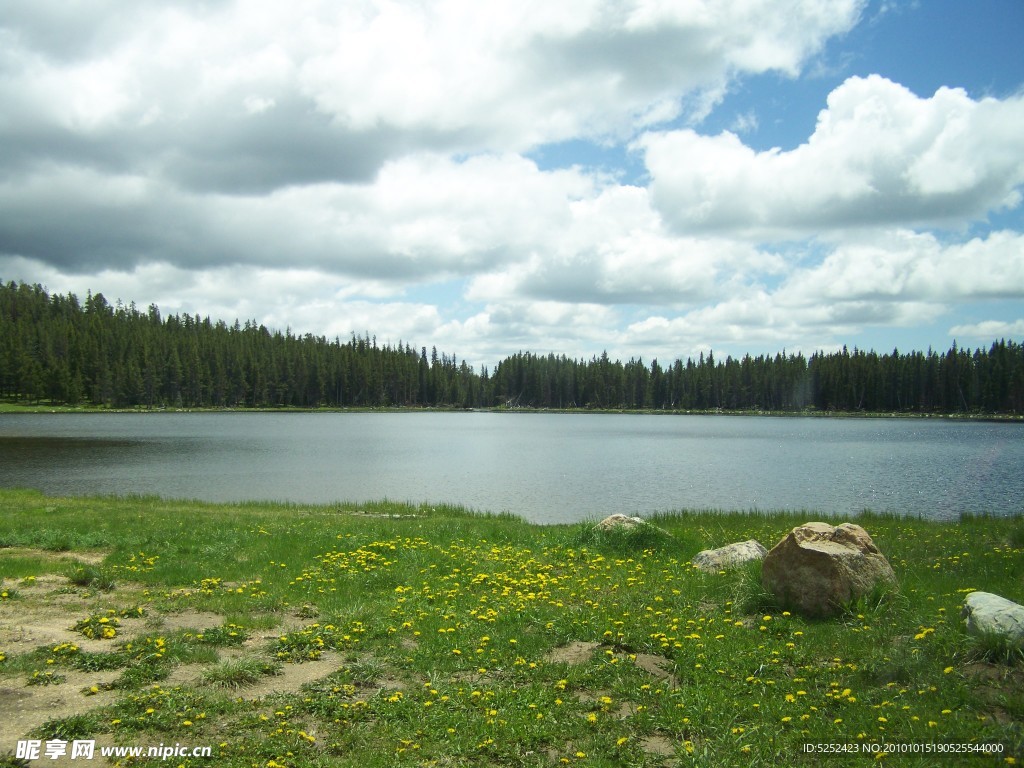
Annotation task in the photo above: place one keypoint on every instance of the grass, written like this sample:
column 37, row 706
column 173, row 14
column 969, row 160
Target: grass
column 239, row 673
column 437, row 637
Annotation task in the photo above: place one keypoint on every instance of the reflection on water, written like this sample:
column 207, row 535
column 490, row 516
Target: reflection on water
column 544, row 467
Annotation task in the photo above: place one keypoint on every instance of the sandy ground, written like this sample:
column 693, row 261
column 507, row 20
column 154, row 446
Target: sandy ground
column 41, row 616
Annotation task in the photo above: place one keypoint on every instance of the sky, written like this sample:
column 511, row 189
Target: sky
column 653, row 179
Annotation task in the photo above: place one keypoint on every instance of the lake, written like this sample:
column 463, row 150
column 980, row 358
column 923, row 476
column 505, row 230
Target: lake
column 544, row 467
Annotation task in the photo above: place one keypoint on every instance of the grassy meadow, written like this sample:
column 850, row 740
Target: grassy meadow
column 392, row 635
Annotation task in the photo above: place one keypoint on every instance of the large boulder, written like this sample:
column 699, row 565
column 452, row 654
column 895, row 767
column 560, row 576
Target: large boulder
column 730, row 556
column 989, row 615
column 817, row 568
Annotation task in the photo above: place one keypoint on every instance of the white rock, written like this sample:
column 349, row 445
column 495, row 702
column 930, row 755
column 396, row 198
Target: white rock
column 986, row 614
column 619, row 521
column 729, row 556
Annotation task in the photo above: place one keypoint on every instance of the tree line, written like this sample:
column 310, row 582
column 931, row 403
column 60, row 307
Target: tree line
column 58, row 349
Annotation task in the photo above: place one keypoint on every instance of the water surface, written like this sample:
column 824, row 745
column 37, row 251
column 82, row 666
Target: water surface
column 545, row 467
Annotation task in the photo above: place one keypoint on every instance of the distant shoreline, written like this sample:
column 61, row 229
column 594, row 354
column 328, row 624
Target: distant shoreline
column 806, row 413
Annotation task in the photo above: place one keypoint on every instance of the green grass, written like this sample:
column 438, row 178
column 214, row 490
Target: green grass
column 239, row 673
column 442, row 629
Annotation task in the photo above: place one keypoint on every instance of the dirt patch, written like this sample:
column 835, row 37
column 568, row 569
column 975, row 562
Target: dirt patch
column 576, row 652
column 994, row 682
column 197, row 620
column 660, row 746
column 27, row 707
column 292, row 677
column 582, row 652
column 83, row 557
column 658, row 667
column 25, row 627
column 183, row 675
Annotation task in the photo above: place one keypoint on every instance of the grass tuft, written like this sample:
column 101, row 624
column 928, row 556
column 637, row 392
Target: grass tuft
column 239, row 673
column 90, row 577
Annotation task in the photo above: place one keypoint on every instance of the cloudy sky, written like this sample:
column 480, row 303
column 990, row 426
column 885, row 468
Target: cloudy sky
column 652, row 178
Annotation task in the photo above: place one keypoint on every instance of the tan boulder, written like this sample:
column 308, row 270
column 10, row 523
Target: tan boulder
column 817, row 568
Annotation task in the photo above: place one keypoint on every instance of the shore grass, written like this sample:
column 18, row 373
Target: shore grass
column 434, row 636
column 20, row 407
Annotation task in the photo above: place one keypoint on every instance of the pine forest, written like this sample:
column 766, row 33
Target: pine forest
column 56, row 349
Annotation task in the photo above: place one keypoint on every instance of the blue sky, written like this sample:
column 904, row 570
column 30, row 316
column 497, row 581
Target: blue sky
column 653, row 179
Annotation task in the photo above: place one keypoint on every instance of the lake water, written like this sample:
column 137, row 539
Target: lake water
column 547, row 468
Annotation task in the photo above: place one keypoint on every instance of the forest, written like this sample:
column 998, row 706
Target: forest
column 57, row 349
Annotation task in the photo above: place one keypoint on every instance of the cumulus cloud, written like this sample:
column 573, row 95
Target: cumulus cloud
column 987, row 330
column 893, row 279
column 879, row 155
column 913, row 266
column 614, row 249
column 424, row 217
column 248, row 97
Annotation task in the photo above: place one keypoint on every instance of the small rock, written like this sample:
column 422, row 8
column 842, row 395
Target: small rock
column 619, row 521
column 989, row 615
column 729, row 556
column 818, row 568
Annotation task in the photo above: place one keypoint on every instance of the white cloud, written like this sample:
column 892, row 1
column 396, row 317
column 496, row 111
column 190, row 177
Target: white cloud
column 879, row 156
column 423, row 218
column 170, row 84
column 987, row 330
column 896, row 279
column 907, row 266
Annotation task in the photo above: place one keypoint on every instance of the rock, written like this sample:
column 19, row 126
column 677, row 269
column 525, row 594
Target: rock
column 729, row 556
column 989, row 615
column 619, row 521
column 817, row 568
